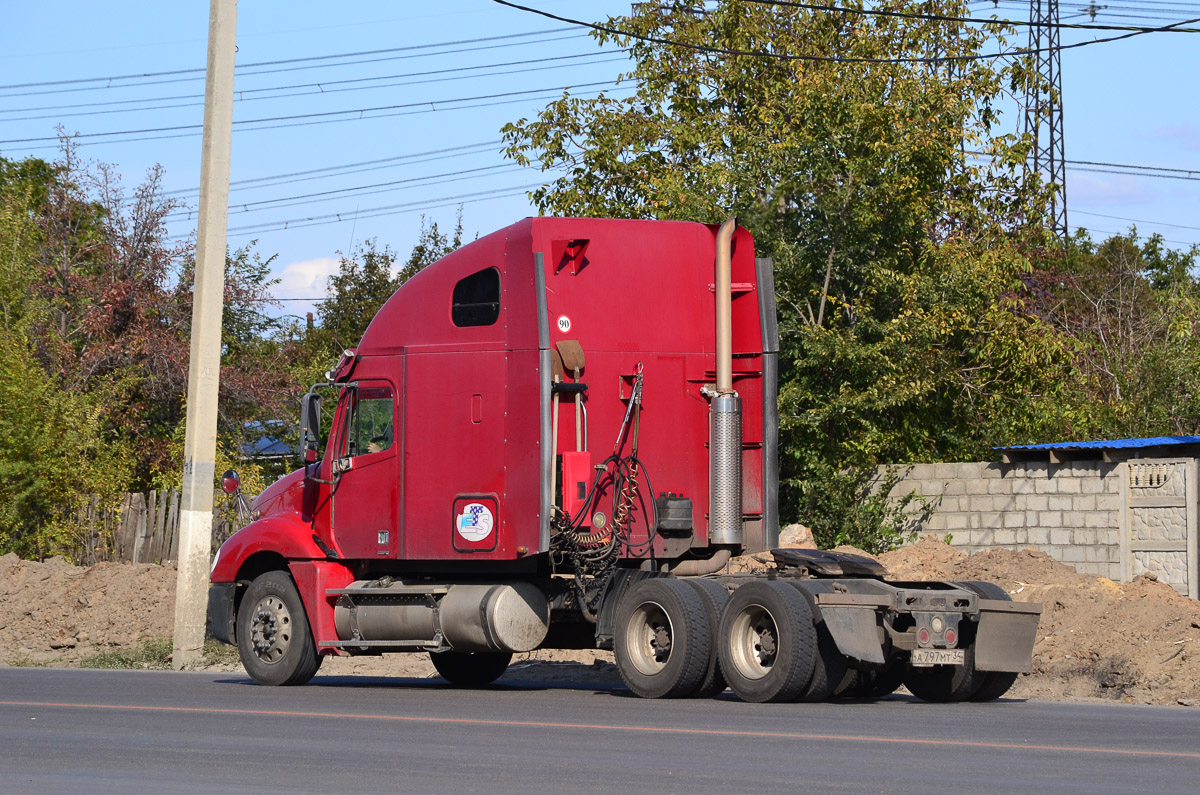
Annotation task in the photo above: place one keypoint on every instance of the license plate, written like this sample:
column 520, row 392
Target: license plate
column 924, row 657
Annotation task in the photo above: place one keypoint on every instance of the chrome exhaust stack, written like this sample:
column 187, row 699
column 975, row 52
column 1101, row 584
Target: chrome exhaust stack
column 725, row 410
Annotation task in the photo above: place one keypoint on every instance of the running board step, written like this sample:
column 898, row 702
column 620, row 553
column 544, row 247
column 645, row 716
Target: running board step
column 391, row 590
column 380, row 644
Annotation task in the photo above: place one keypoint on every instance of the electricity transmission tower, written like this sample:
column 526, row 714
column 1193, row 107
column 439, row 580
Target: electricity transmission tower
column 1043, row 109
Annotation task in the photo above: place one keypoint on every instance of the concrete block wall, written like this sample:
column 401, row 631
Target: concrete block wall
column 1071, row 511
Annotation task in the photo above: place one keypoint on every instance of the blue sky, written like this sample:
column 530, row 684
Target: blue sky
column 431, row 142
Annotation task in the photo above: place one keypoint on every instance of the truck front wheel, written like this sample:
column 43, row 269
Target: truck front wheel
column 468, row 669
column 273, row 636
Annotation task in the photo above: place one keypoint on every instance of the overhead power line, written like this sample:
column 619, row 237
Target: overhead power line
column 1128, row 174
column 1160, row 172
column 1134, row 220
column 1139, row 13
column 352, row 112
column 322, row 87
column 1192, row 171
column 830, row 58
column 1017, row 23
column 356, row 190
column 320, row 92
column 1114, row 233
column 426, row 54
column 199, row 70
column 375, row 212
column 347, row 168
column 435, row 108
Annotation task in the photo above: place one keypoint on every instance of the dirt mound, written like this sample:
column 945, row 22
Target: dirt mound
column 928, row 559
column 54, row 610
column 54, row 613
column 1137, row 642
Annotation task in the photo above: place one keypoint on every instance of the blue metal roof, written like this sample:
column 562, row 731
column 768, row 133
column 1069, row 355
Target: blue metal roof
column 261, row 442
column 1114, row 444
column 266, row 446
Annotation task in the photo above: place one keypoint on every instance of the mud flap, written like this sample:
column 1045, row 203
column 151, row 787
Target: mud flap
column 1006, row 634
column 221, row 619
column 855, row 630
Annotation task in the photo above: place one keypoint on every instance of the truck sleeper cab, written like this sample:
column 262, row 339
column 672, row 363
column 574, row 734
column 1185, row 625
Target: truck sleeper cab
column 557, row 436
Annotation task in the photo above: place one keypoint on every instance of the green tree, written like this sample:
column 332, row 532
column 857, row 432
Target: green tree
column 354, row 294
column 368, row 276
column 431, row 246
column 1130, row 310
column 893, row 251
column 56, row 453
column 95, row 316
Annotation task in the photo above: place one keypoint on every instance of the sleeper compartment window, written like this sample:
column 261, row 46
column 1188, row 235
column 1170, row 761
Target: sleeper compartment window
column 476, row 299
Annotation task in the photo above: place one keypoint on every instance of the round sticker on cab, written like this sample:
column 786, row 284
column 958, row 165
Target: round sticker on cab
column 475, row 522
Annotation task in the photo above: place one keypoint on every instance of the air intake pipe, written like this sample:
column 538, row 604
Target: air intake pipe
column 725, row 410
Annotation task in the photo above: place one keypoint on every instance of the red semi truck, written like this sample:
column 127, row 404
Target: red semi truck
column 557, row 437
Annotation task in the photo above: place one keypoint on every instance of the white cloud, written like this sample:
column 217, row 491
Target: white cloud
column 1188, row 135
column 1098, row 190
column 304, row 279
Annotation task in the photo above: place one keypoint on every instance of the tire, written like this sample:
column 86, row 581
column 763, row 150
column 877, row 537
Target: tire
column 766, row 642
column 876, row 684
column 829, row 668
column 945, row 683
column 273, row 636
column 662, row 640
column 467, row 669
column 714, row 596
column 995, row 683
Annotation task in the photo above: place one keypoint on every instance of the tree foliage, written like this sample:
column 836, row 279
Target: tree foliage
column 1129, row 313
column 432, row 244
column 96, row 314
column 95, row 333
column 368, row 276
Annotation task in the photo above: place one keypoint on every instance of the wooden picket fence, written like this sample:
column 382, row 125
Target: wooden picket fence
column 144, row 528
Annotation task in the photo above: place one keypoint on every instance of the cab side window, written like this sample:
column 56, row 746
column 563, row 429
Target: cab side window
column 372, row 423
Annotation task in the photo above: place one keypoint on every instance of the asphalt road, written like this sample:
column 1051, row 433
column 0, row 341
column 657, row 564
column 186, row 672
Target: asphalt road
column 89, row 731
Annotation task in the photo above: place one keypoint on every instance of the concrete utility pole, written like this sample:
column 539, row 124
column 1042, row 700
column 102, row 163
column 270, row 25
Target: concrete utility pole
column 204, row 372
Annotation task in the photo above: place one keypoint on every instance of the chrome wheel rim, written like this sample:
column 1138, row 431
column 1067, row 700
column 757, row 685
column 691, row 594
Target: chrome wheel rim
column 754, row 642
column 271, row 629
column 648, row 638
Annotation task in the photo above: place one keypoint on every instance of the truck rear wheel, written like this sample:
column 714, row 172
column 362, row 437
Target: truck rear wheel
column 468, row 669
column 875, row 684
column 273, row 636
column 663, row 638
column 995, row 683
column 766, row 642
column 714, row 596
column 829, row 666
column 944, row 683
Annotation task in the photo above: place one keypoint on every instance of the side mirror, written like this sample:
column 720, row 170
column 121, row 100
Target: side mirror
column 310, row 427
column 230, row 482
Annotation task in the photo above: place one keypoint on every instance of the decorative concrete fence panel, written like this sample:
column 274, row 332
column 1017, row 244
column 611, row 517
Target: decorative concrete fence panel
column 1158, row 522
